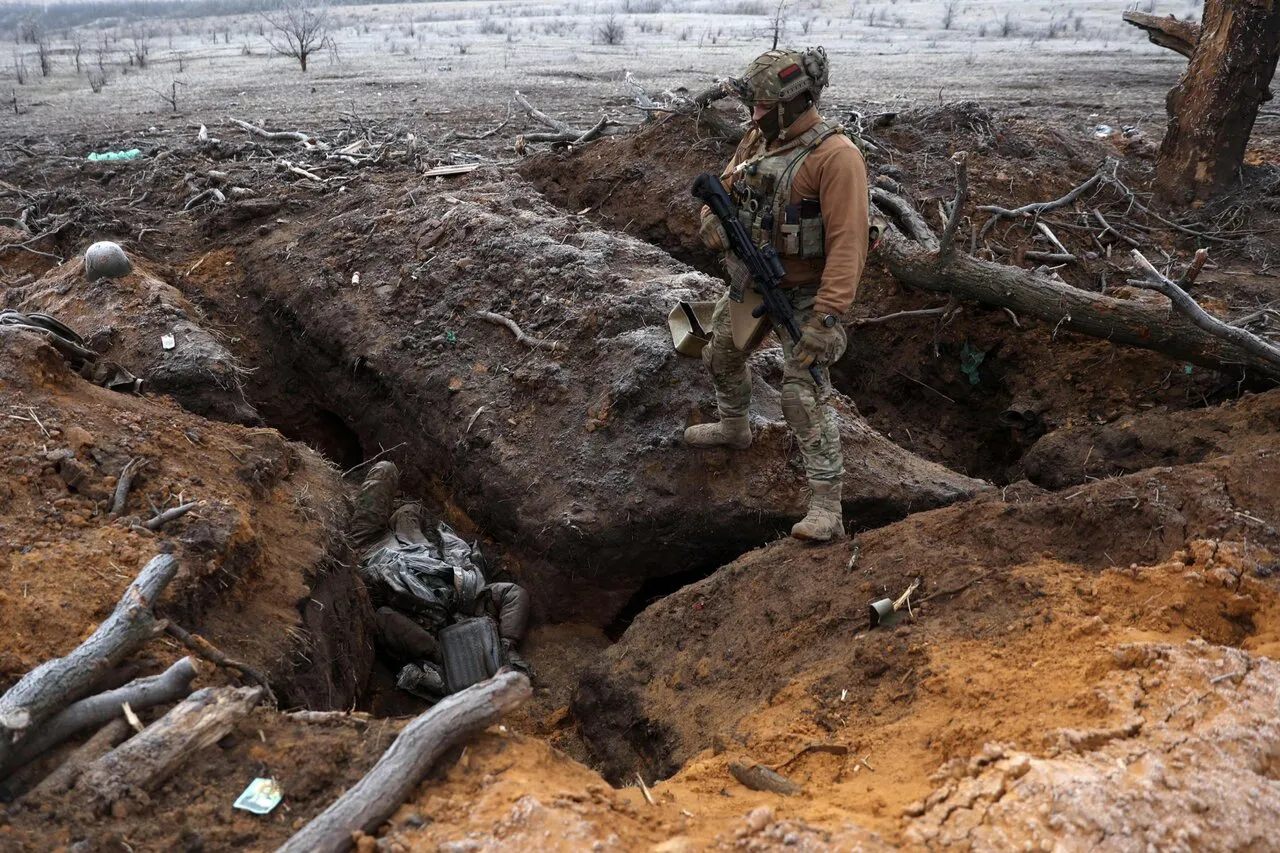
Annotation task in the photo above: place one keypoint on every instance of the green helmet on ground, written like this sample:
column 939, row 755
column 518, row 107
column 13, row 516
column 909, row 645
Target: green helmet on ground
column 781, row 75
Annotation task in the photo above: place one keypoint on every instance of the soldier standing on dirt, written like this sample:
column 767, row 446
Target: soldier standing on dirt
column 801, row 184
column 428, row 585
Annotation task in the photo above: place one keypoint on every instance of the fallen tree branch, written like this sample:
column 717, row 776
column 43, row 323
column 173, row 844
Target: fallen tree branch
column 961, row 160
column 1039, row 207
column 102, row 742
column 274, row 135
column 539, row 116
column 147, row 759
column 1183, row 302
column 172, row 684
column 500, row 320
column 170, row 514
column 386, row 786
column 211, row 653
column 57, row 683
column 131, row 469
column 1108, row 228
column 1029, row 294
column 301, row 172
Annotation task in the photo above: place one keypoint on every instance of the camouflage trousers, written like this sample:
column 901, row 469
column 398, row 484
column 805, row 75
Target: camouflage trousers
column 803, row 404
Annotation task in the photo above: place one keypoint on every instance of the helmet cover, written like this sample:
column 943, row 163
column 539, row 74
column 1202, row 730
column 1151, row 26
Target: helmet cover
column 780, row 75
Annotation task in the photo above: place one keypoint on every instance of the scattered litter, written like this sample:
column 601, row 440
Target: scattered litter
column 1101, row 131
column 131, row 154
column 260, row 797
column 168, row 341
column 355, row 278
column 970, row 361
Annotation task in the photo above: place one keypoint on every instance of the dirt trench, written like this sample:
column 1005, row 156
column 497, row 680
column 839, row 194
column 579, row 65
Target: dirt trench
column 1114, row 587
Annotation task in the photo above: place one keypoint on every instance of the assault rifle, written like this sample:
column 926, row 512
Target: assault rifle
column 763, row 262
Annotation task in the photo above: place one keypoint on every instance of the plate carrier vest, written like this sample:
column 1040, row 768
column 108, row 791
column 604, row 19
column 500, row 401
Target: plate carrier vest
column 761, row 190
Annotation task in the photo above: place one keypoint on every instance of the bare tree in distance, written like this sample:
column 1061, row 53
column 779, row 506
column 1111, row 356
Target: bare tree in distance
column 298, row 29
column 612, row 31
column 77, row 48
column 44, row 53
column 949, row 14
column 779, row 23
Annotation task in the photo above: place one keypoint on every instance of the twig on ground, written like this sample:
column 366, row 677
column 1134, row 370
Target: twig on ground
column 500, row 320
column 211, row 653
column 1037, row 208
column 899, row 315
column 1107, row 227
column 373, row 458
column 955, row 590
column 169, row 515
column 644, row 789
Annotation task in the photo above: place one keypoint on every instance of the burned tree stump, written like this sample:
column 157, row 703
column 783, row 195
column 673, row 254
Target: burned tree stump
column 1214, row 105
column 1182, row 36
column 146, row 760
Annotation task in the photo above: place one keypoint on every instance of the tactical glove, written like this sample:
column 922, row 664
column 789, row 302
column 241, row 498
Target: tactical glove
column 820, row 345
column 712, row 233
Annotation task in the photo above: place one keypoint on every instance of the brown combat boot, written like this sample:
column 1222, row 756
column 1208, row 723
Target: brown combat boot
column 825, row 520
column 730, row 432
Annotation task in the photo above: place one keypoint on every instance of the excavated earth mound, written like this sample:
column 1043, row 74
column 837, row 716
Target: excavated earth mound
column 573, row 451
column 126, row 319
column 263, row 572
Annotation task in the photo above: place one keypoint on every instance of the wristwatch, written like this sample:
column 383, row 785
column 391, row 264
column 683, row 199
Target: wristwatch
column 829, row 320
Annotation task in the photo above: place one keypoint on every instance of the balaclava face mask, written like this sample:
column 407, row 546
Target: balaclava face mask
column 782, row 116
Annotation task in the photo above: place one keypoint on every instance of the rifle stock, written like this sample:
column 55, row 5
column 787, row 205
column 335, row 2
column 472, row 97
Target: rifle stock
column 762, row 262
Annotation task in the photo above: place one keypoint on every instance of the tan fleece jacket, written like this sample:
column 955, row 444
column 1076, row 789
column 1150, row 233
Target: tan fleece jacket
column 836, row 175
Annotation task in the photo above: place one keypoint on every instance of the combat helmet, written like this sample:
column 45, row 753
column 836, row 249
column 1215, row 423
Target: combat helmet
column 780, row 75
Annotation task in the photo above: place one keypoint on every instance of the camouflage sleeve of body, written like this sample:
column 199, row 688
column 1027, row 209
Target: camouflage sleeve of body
column 511, row 603
column 842, row 176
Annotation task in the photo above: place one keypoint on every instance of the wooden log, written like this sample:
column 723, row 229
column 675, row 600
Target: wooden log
column 375, row 797
column 102, row 742
column 1182, row 36
column 146, row 760
column 1029, row 294
column 57, row 683
column 169, row 686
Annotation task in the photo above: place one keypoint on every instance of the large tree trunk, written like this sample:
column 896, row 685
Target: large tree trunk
column 1214, row 105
